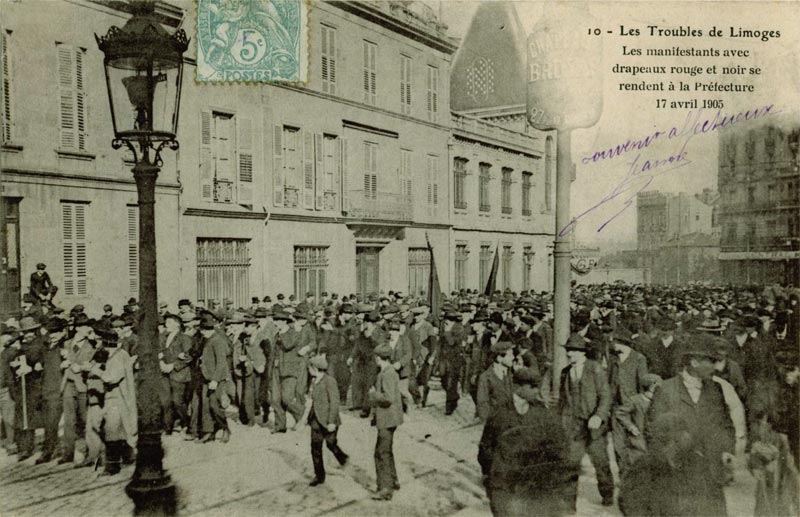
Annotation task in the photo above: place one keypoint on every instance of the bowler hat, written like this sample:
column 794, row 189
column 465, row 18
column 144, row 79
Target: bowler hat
column 576, row 342
column 496, row 318
column 82, row 320
column 280, row 315
column 261, row 313
column 184, row 301
column 107, row 335
column 207, row 321
column 54, row 325
column 319, row 362
column 40, row 265
column 373, row 316
column 700, row 348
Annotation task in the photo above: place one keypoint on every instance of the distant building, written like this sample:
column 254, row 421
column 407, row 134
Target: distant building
column 664, row 218
column 759, row 183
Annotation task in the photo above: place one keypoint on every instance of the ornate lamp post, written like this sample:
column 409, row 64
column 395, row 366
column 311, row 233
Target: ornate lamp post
column 143, row 67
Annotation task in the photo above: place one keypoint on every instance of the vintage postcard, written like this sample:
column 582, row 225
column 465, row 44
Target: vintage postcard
column 399, row 258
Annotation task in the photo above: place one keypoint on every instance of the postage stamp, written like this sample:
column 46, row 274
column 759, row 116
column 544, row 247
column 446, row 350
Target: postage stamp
column 252, row 41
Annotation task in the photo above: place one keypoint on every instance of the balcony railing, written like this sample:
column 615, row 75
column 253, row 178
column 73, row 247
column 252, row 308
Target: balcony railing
column 481, row 127
column 506, row 209
column 460, row 204
column 379, row 205
column 485, row 207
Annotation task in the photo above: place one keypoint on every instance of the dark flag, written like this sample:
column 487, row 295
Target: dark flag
column 492, row 281
column 434, row 292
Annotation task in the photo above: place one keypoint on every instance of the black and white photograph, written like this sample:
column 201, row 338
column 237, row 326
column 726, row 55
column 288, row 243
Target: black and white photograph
column 413, row 258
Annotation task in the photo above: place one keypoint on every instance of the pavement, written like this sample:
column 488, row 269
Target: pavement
column 262, row 473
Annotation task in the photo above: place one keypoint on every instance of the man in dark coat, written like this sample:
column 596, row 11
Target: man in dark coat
column 494, row 384
column 41, row 285
column 28, row 394
column 585, row 406
column 363, row 362
column 324, row 417
column 174, row 361
column 288, row 363
column 664, row 352
column 387, row 406
column 693, row 396
column 51, row 387
column 525, row 456
column 452, row 359
column 217, row 387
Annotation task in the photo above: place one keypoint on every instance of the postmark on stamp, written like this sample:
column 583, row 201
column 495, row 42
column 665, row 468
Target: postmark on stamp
column 252, row 41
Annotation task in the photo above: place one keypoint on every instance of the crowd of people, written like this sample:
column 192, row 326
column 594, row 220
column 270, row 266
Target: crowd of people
column 680, row 380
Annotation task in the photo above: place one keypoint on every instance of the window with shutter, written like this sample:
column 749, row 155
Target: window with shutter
column 73, row 232
column 206, row 158
column 328, row 56
column 405, row 84
column 292, row 166
column 72, row 98
column 277, row 165
column 308, row 170
column 328, row 165
column 505, row 194
column 433, row 185
column 245, row 161
column 526, row 193
column 432, row 84
column 344, row 172
column 8, row 121
column 370, row 72
column 133, row 251
column 459, row 182
column 370, row 170
column 483, row 191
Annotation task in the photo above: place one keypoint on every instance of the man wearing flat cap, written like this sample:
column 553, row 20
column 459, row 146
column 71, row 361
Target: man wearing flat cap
column 585, row 407
column 363, row 362
column 27, row 365
column 453, row 359
column 693, row 396
column 387, row 404
column 494, row 384
column 77, row 363
column 40, row 284
column 755, row 354
column 288, row 363
column 324, row 417
column 174, row 361
column 217, row 382
column 664, row 353
column 51, row 386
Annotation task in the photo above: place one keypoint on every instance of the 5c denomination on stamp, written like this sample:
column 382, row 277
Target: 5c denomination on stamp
column 251, row 40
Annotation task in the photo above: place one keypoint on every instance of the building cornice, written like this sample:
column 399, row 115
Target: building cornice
column 378, row 16
column 505, row 232
column 224, row 214
column 66, row 178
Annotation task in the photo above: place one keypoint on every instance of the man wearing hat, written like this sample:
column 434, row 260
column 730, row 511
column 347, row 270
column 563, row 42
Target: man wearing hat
column 41, row 285
column 453, row 359
column 664, row 353
column 249, row 363
column 27, row 365
column 363, row 362
column 585, row 406
column 9, row 346
column 347, row 333
column 693, row 396
column 263, row 338
column 630, row 444
column 324, row 417
column 626, row 371
column 385, row 398
column 51, row 386
column 494, row 384
column 759, row 366
column 288, row 363
column 217, row 383
column 174, row 361
column 79, row 351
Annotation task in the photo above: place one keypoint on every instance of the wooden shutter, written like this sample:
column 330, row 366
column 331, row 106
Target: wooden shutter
column 206, row 158
column 343, row 173
column 277, row 165
column 67, row 124
column 308, row 169
column 245, row 161
column 7, row 120
column 133, row 251
column 319, row 183
column 80, row 100
column 328, row 53
column 73, row 220
column 222, row 141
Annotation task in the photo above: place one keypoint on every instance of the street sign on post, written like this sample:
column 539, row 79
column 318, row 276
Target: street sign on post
column 565, row 92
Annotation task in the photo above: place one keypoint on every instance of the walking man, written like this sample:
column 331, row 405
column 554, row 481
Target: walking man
column 387, row 406
column 324, row 417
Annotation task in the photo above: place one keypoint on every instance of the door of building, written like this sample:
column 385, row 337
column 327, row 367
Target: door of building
column 10, row 284
column 367, row 270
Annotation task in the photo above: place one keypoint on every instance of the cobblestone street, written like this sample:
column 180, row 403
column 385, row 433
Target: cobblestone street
column 258, row 472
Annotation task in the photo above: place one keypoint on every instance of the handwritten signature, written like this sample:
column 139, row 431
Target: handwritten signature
column 642, row 174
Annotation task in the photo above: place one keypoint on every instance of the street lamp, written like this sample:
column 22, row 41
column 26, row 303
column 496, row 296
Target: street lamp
column 143, row 67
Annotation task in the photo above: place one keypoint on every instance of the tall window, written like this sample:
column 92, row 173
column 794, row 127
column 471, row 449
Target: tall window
column 485, row 265
column 433, row 181
column 526, row 193
column 328, row 56
column 133, row 250
column 328, row 174
column 406, row 174
column 548, row 174
column 405, row 84
column 419, row 270
column 370, row 72
column 506, row 191
column 483, row 193
column 370, row 170
column 505, row 265
column 461, row 255
column 223, row 270
column 7, row 119
column 459, row 182
column 73, row 233
column 432, row 84
column 527, row 266
column 310, row 268
column 226, row 169
column 72, row 98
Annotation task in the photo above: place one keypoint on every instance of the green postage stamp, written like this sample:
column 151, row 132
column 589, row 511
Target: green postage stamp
column 252, row 41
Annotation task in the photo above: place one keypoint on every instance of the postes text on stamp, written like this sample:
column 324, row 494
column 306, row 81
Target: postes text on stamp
column 251, row 40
